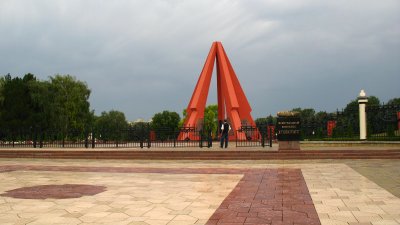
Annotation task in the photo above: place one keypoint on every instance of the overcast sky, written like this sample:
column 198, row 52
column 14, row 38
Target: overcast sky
column 144, row 56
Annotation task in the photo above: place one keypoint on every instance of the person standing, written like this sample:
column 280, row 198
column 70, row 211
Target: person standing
column 225, row 128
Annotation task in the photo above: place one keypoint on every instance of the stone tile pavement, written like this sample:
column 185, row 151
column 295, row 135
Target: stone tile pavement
column 205, row 192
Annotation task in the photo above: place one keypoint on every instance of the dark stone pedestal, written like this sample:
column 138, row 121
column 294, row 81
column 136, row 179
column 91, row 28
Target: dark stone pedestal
column 289, row 145
column 288, row 126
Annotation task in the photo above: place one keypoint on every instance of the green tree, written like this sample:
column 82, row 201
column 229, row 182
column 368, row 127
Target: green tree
column 261, row 121
column 17, row 106
column 390, row 129
column 306, row 115
column 321, row 120
column 41, row 103
column 265, row 120
column 211, row 118
column 373, row 100
column 69, row 103
column 165, row 120
column 271, row 119
column 182, row 121
column 394, row 101
column 110, row 124
column 353, row 105
column 374, row 122
column 165, row 124
column 264, row 123
column 307, row 118
column 348, row 122
column 2, row 82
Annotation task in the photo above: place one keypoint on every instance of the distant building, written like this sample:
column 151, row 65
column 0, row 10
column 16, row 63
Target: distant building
column 140, row 120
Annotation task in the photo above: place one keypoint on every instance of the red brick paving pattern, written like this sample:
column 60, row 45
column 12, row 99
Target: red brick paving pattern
column 271, row 196
column 262, row 196
column 55, row 191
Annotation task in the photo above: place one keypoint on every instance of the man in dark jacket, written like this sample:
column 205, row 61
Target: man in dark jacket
column 225, row 128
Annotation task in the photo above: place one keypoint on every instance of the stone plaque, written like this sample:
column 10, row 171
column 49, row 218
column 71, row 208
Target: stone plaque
column 288, row 130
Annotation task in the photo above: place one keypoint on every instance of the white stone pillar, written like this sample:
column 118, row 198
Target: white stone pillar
column 362, row 101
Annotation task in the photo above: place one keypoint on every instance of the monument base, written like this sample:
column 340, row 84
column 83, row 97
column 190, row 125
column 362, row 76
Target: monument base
column 289, row 145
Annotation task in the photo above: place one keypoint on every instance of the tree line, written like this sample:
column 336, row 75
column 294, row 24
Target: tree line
column 61, row 103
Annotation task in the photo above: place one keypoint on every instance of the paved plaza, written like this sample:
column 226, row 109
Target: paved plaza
column 343, row 192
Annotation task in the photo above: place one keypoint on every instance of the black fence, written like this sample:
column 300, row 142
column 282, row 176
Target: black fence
column 131, row 137
column 382, row 125
column 254, row 136
column 383, row 122
column 345, row 126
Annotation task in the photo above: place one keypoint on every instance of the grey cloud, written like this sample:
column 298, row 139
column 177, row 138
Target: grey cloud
column 142, row 57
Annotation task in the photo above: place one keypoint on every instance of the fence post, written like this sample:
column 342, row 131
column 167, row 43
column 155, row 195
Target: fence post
column 236, row 133
column 270, row 137
column 117, row 137
column 34, row 137
column 174, row 135
column 209, row 136
column 93, row 139
column 86, row 140
column 201, row 139
column 141, row 138
column 362, row 101
column 41, row 139
column 63, row 140
column 398, row 120
column 149, row 136
column 262, row 136
column 140, row 131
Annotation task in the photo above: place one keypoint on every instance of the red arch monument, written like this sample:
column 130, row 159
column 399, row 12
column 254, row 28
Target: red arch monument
column 232, row 102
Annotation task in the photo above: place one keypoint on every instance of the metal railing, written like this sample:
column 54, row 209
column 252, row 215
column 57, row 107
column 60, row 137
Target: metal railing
column 253, row 136
column 383, row 124
column 138, row 137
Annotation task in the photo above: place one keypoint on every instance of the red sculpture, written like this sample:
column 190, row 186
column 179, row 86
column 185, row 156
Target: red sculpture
column 232, row 102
